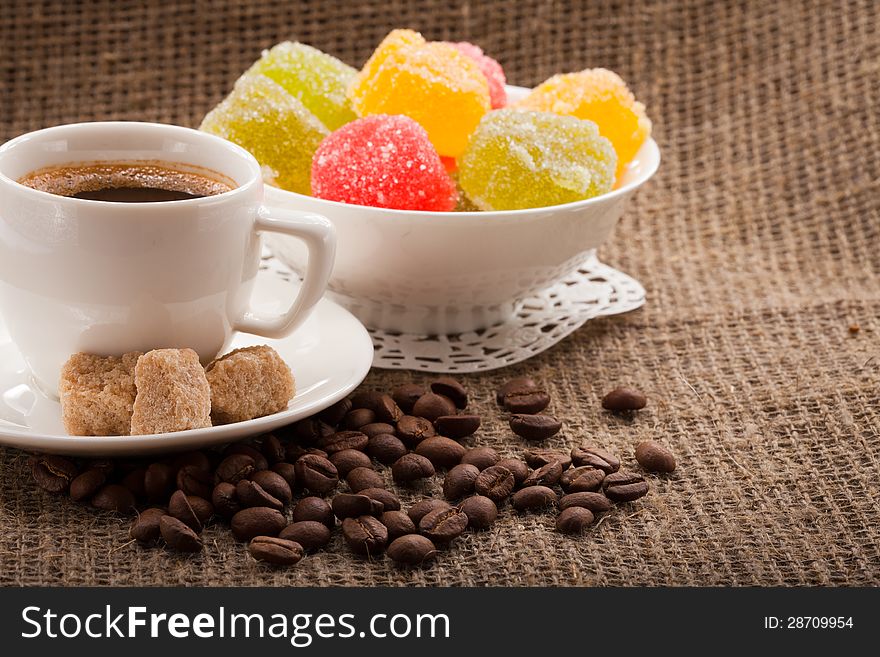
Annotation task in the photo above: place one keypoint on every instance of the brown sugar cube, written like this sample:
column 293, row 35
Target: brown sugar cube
column 172, row 393
column 97, row 394
column 248, row 383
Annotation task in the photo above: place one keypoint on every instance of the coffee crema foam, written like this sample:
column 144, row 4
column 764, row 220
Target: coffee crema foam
column 75, row 179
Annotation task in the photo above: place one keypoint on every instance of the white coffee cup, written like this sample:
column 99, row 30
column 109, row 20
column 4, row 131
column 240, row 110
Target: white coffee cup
column 109, row 278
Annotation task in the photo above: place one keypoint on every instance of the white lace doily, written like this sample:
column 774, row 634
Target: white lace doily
column 593, row 290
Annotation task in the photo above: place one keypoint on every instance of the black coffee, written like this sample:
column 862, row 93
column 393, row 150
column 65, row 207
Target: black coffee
column 137, row 182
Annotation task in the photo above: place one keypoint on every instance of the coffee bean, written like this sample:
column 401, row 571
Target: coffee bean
column 203, row 508
column 387, row 410
column 519, row 469
column 158, row 482
column 287, row 472
column 581, row 479
column 316, row 474
column 273, row 450
column 595, row 456
column 134, row 482
column 349, row 459
column 526, row 401
column 412, row 550
column 533, row 497
column 295, row 452
column 443, row 525
column 442, row 452
column 310, row 534
column 250, row 493
column 257, row 521
column 376, row 428
column 343, row 440
column 274, row 484
column 481, row 512
column 459, row 481
column 195, row 459
column 386, row 448
column 361, row 478
column 574, row 520
column 366, row 399
column 348, row 505
column 411, row 467
column 358, row 417
column 413, row 430
column 480, row 457
column 178, row 535
column 406, row 395
column 225, row 500
column 276, row 551
column 87, row 484
column 457, row 426
column 535, row 427
column 234, row 468
column 145, row 528
column 365, row 535
column 309, row 431
column 431, row 406
column 389, row 500
column 114, row 497
column 451, row 388
column 333, row 415
column 104, row 465
column 625, row 486
column 523, row 383
column 651, row 455
column 397, row 523
column 495, row 482
column 192, row 480
column 53, row 473
column 538, row 457
column 260, row 462
column 595, row 502
column 179, row 507
column 546, row 475
column 314, row 508
column 423, row 507
column 620, row 400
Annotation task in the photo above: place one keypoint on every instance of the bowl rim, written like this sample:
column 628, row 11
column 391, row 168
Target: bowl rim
column 653, row 163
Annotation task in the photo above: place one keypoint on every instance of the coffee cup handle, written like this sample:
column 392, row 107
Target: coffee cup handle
column 319, row 236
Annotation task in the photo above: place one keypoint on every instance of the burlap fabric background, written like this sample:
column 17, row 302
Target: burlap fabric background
column 757, row 242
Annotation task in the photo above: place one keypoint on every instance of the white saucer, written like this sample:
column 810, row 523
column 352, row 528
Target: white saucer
column 329, row 356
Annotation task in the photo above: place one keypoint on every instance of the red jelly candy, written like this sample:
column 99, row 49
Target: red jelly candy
column 383, row 161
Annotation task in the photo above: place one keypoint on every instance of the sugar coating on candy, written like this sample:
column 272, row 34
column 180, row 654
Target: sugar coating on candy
column 248, row 383
column 97, row 394
column 490, row 68
column 600, row 96
column 517, row 159
column 318, row 80
column 260, row 116
column 382, row 161
column 432, row 83
column 172, row 393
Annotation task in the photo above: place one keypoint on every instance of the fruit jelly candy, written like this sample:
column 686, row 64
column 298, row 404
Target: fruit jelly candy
column 601, row 96
column 490, row 68
column 382, row 161
column 248, row 383
column 519, row 159
column 432, row 83
column 275, row 127
column 318, row 80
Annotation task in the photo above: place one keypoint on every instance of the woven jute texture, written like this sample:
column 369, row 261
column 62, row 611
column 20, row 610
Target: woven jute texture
column 757, row 242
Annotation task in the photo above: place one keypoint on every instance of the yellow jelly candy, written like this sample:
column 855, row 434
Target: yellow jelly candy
column 601, row 96
column 274, row 126
column 520, row 159
column 318, row 80
column 432, row 83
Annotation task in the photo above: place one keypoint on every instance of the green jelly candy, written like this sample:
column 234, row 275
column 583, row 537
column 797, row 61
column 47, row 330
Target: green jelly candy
column 516, row 160
column 274, row 126
column 317, row 79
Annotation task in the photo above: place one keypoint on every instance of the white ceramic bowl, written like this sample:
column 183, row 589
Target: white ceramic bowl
column 451, row 272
